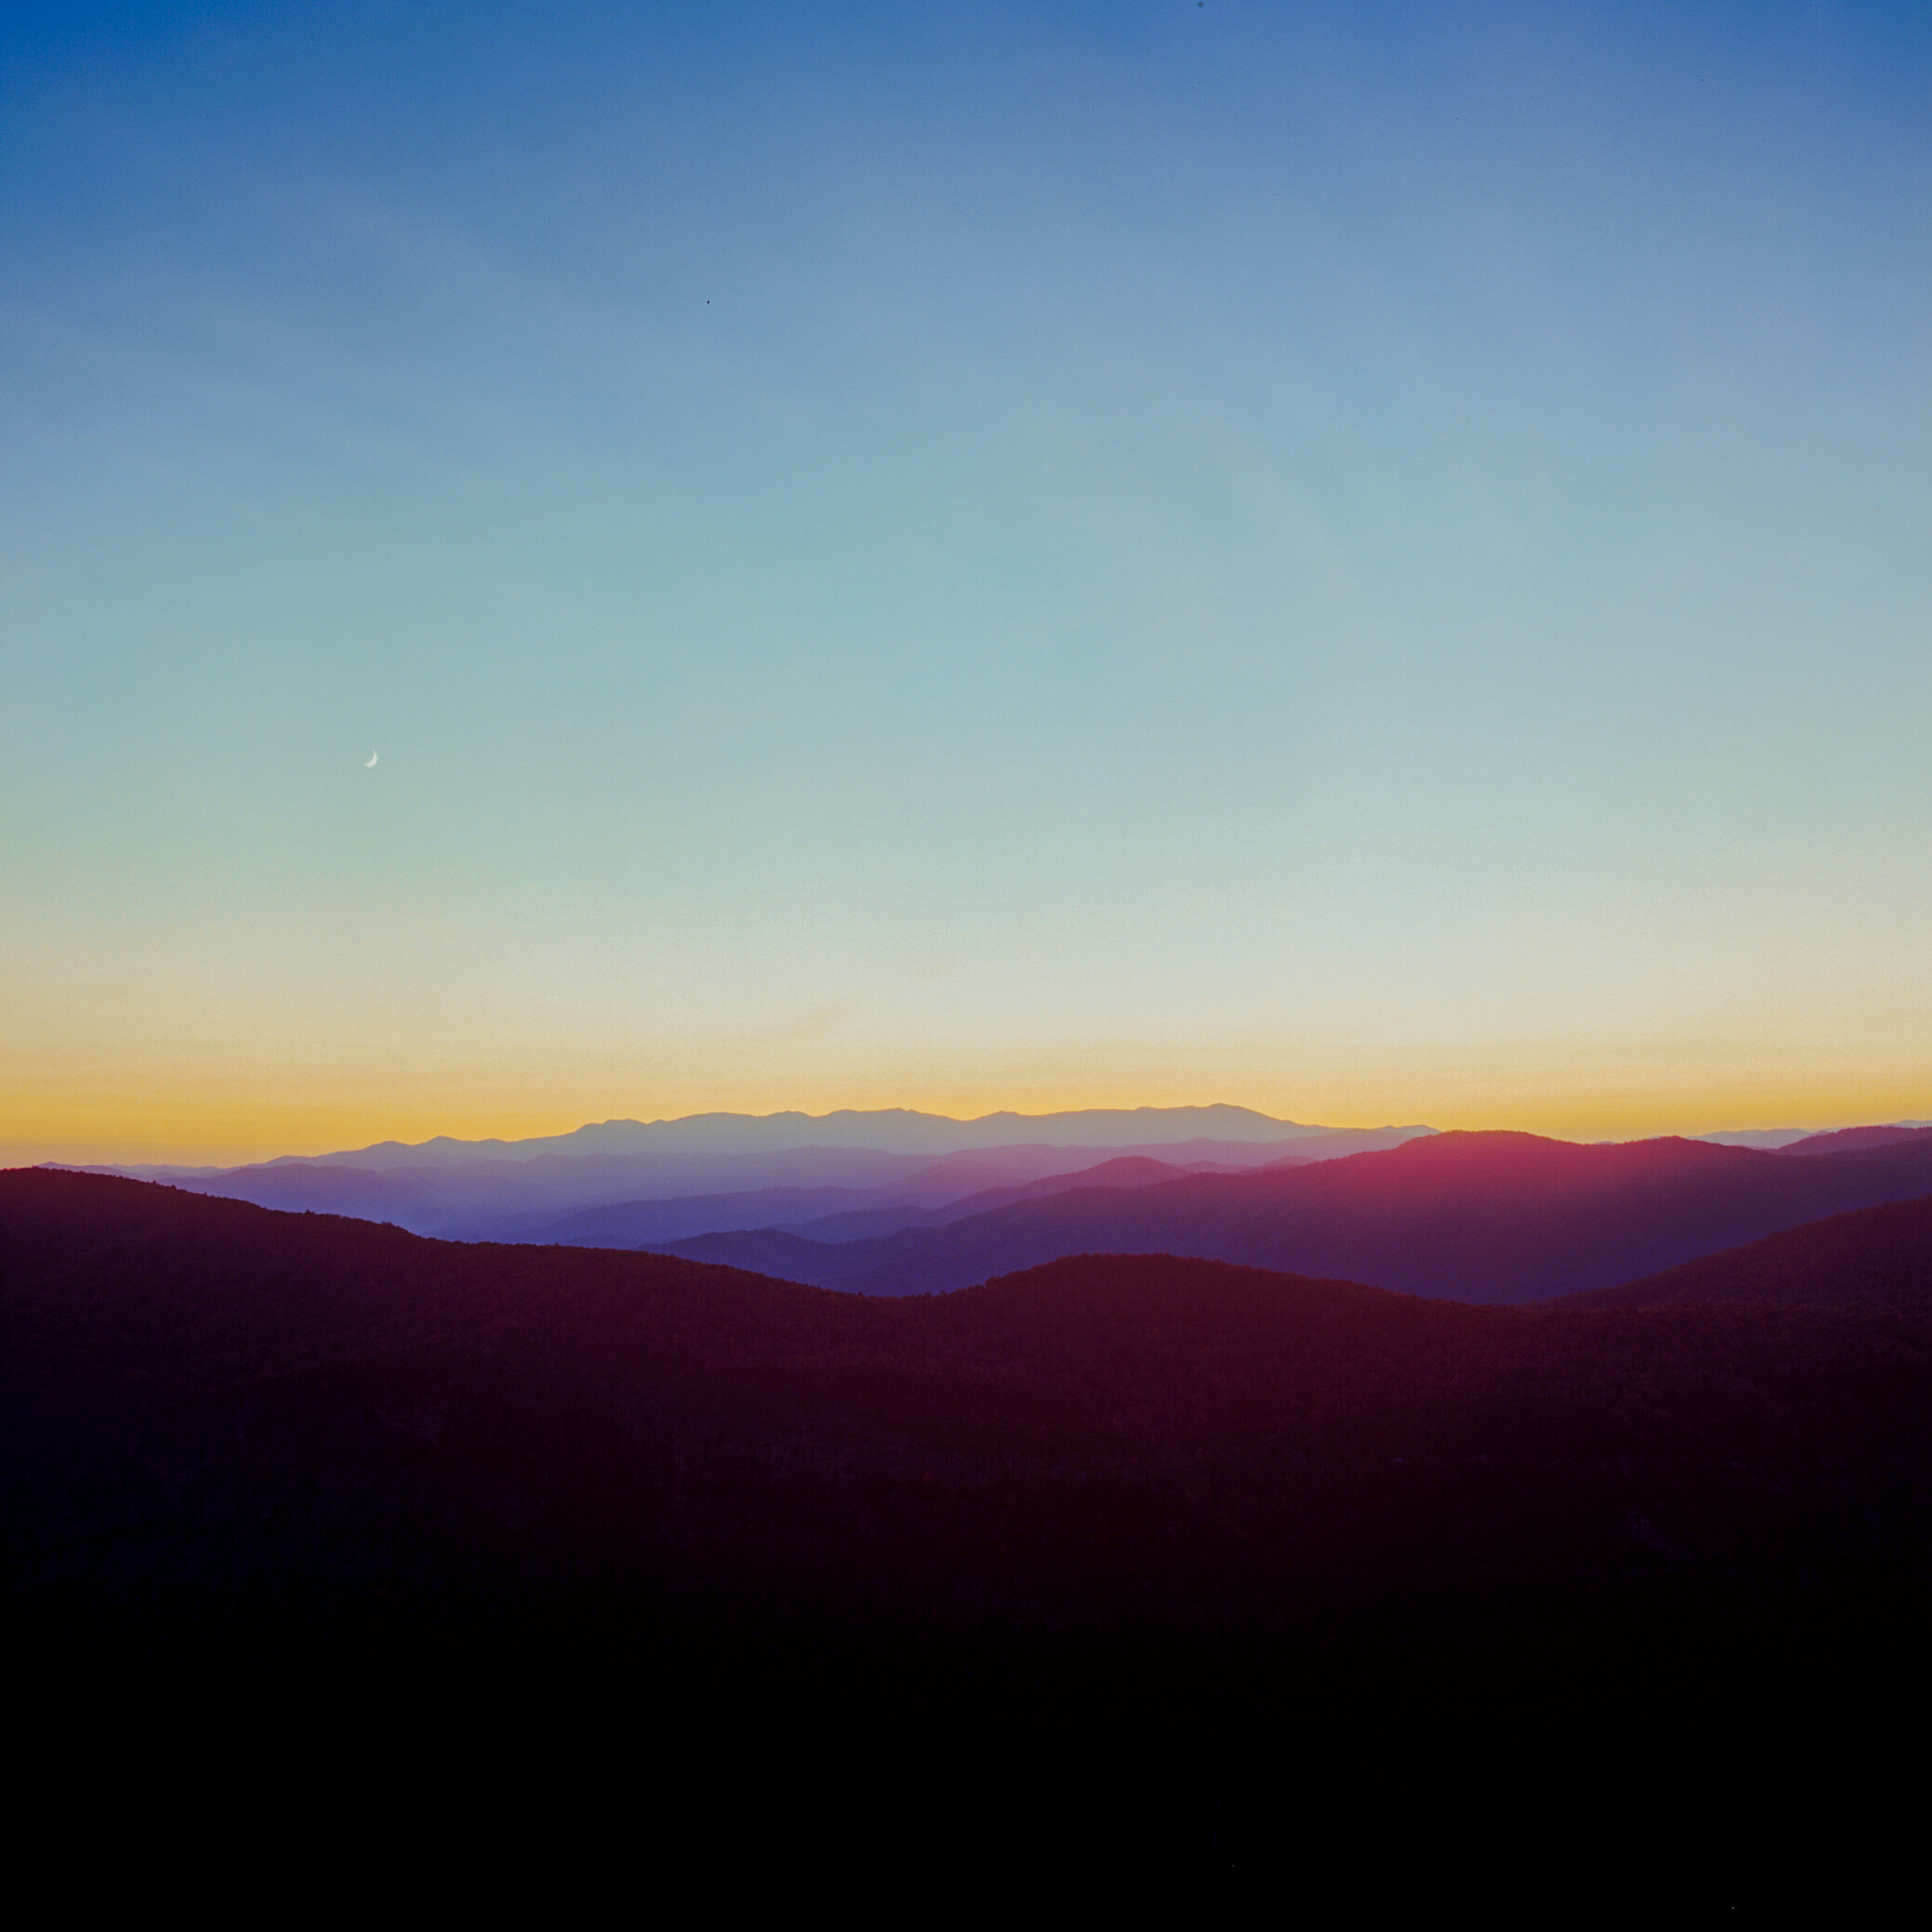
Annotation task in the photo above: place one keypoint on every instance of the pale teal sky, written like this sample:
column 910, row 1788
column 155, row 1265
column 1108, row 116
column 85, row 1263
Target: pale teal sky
column 1371, row 563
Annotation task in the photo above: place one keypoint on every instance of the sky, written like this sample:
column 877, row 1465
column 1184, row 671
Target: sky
column 1367, row 561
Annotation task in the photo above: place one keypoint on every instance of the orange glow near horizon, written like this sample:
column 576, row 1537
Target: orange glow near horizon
column 1242, row 596
column 224, row 1120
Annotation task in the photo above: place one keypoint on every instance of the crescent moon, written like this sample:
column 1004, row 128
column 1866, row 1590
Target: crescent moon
column 369, row 761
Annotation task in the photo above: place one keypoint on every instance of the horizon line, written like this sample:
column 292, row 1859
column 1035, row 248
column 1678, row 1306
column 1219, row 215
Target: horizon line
column 115, row 1160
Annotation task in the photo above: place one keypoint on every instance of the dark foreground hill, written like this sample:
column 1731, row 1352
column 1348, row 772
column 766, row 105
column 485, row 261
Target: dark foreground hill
column 1479, row 1217
column 1165, row 1562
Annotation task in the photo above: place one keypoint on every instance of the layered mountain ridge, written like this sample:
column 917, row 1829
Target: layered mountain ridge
column 1479, row 1217
column 1190, row 1561
column 699, row 1174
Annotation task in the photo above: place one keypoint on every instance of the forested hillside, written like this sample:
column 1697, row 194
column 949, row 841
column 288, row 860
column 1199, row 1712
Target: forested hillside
column 1120, row 1511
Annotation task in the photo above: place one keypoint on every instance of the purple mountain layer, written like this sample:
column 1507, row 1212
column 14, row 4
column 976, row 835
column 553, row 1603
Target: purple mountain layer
column 1479, row 1217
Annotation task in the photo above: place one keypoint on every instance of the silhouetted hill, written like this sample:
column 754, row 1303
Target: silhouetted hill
column 1914, row 1153
column 1479, row 1217
column 1800, row 1140
column 1857, row 1138
column 126, row 1299
column 1869, row 1145
column 1099, row 1536
column 131, row 1292
column 1877, row 1257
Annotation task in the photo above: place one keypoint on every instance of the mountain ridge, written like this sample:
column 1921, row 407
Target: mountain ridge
column 886, row 1129
column 475, row 1195
column 1497, row 1216
column 1879, row 1256
column 1095, row 1526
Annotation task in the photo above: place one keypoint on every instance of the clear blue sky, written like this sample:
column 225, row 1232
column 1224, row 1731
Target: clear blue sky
column 1370, row 561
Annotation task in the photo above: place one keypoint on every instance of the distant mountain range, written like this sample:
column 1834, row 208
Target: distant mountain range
column 881, row 1130
column 717, row 1171
column 1476, row 1217
column 868, row 1201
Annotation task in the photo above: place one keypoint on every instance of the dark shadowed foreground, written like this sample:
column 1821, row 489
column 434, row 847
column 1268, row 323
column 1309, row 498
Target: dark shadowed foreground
column 1150, row 1568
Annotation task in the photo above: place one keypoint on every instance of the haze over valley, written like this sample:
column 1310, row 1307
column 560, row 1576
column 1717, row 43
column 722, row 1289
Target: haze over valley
column 906, row 1203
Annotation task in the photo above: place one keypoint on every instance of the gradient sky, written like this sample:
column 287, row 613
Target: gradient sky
column 1368, row 561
